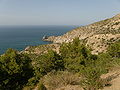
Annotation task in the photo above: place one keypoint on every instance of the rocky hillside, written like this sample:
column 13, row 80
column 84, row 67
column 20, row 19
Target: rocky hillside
column 97, row 35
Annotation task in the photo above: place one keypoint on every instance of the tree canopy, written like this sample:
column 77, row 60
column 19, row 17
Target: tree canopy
column 15, row 70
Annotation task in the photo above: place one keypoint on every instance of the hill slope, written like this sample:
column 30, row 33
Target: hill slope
column 99, row 34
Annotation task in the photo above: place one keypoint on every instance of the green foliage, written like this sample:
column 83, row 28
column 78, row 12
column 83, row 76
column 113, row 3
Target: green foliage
column 105, row 61
column 77, row 58
column 15, row 70
column 32, row 81
column 47, row 62
column 75, row 54
column 111, row 58
column 91, row 76
column 74, row 65
column 74, row 59
column 74, row 49
column 95, row 68
column 114, row 50
column 41, row 86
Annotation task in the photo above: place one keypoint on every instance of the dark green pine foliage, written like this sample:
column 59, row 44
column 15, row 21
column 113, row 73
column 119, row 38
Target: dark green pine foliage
column 15, row 70
column 77, row 58
column 114, row 50
column 48, row 62
column 75, row 54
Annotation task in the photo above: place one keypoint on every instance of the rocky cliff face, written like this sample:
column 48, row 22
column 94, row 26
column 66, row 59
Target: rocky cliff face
column 98, row 35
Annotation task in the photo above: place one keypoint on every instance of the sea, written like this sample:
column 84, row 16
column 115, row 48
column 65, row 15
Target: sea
column 19, row 37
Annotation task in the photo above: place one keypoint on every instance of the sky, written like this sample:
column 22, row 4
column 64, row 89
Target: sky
column 56, row 12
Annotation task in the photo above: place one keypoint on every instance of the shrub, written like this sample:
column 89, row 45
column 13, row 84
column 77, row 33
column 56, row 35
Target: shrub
column 74, row 49
column 40, row 86
column 47, row 62
column 114, row 50
column 74, row 65
column 74, row 55
column 15, row 70
column 59, row 79
column 91, row 77
column 32, row 81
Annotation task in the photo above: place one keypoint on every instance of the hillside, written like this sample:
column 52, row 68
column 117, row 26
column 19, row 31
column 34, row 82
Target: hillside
column 99, row 34
column 89, row 62
column 59, row 44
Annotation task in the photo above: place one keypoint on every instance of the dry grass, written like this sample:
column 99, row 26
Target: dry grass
column 59, row 79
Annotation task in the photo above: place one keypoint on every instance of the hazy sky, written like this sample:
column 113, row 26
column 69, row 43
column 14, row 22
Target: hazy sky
column 56, row 12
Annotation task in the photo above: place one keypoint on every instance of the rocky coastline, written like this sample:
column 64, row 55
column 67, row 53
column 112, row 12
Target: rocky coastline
column 100, row 34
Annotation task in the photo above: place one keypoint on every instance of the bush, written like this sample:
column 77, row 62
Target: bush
column 74, row 65
column 74, row 49
column 75, row 54
column 58, row 70
column 40, row 86
column 59, row 79
column 114, row 50
column 91, row 78
column 47, row 62
column 32, row 81
column 111, row 58
column 15, row 70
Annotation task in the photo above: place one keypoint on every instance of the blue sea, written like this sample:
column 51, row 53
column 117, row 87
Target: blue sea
column 19, row 37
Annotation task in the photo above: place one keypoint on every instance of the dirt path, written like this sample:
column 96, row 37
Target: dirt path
column 115, row 82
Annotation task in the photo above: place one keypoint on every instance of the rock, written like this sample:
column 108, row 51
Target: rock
column 27, row 48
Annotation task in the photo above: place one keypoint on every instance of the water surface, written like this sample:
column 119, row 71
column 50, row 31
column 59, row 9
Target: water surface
column 19, row 37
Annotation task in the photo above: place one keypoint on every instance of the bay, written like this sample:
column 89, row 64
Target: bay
column 19, row 37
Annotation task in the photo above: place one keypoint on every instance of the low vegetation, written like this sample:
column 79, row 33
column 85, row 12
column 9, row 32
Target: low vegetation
column 73, row 65
column 15, row 70
column 59, row 79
